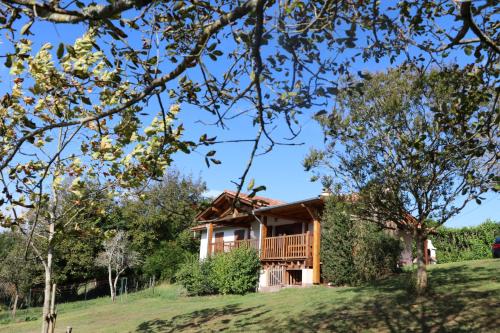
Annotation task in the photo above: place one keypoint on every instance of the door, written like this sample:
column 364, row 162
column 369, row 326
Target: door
column 219, row 242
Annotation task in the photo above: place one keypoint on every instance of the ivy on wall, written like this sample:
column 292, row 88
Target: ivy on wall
column 468, row 243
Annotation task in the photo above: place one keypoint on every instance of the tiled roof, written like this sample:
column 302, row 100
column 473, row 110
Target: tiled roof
column 269, row 201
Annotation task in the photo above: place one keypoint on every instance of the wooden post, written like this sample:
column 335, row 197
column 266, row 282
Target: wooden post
column 210, row 232
column 69, row 329
column 316, row 251
column 307, row 245
column 263, row 234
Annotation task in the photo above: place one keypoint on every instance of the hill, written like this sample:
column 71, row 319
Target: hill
column 464, row 297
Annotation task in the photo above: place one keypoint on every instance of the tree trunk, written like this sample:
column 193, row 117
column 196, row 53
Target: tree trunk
column 111, row 285
column 116, row 281
column 47, row 316
column 14, row 306
column 421, row 283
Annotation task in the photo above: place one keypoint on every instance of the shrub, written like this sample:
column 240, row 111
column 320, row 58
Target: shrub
column 195, row 276
column 337, row 242
column 468, row 243
column 354, row 251
column 377, row 254
column 235, row 272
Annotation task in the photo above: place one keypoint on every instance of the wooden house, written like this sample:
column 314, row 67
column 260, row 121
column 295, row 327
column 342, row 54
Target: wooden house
column 287, row 235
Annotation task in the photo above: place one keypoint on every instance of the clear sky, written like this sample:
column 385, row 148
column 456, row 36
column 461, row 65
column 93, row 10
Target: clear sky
column 280, row 170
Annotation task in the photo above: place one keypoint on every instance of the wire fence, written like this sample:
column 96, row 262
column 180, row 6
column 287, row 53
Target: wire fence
column 77, row 291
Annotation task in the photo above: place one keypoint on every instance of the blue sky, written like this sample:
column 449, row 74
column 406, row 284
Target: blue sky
column 280, row 170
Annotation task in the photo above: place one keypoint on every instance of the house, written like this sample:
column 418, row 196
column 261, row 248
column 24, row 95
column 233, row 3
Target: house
column 286, row 235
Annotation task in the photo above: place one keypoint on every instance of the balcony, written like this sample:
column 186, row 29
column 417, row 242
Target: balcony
column 219, row 247
column 279, row 248
column 287, row 247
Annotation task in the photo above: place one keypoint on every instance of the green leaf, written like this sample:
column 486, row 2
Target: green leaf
column 251, row 184
column 25, row 30
column 468, row 49
column 211, row 153
column 86, row 100
column 60, row 51
column 8, row 61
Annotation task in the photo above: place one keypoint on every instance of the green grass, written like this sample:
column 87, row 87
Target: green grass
column 463, row 297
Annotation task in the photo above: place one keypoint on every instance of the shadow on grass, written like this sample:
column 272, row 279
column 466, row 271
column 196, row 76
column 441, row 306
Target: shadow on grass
column 198, row 321
column 452, row 305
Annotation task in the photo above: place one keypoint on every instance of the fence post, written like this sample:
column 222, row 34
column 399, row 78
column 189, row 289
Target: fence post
column 153, row 285
column 85, row 290
column 69, row 329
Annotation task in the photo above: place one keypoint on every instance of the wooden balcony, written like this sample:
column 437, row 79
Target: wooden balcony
column 279, row 248
column 289, row 247
column 219, row 247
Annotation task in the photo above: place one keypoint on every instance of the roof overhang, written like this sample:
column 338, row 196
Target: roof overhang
column 294, row 210
column 241, row 220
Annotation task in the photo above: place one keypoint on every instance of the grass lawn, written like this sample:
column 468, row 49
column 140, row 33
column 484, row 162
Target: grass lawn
column 464, row 297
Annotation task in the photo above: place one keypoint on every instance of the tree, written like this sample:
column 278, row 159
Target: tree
column 414, row 146
column 162, row 210
column 16, row 272
column 265, row 59
column 117, row 257
column 337, row 243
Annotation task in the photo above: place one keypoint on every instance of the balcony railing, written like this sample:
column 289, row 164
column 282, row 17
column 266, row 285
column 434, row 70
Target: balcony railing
column 287, row 247
column 219, row 247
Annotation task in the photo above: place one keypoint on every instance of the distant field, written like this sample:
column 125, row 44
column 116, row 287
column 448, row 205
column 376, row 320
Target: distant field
column 464, row 297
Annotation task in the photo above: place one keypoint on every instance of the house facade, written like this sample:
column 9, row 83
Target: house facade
column 286, row 235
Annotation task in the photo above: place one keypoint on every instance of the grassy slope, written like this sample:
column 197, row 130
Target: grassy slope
column 464, row 297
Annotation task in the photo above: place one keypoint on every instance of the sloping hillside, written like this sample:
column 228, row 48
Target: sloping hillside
column 464, row 297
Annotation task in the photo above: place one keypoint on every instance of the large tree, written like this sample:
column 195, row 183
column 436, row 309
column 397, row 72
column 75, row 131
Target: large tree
column 77, row 108
column 414, row 145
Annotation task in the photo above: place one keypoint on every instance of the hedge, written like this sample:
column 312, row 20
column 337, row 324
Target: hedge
column 468, row 243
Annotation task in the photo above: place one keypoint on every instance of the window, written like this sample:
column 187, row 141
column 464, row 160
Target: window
column 239, row 235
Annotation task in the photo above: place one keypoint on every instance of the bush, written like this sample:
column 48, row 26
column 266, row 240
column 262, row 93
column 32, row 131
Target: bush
column 235, row 272
column 468, row 243
column 195, row 276
column 354, row 251
column 377, row 254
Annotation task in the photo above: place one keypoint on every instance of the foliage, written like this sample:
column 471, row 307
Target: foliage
column 353, row 250
column 376, row 253
column 337, row 242
column 117, row 257
column 165, row 261
column 235, row 272
column 467, row 243
column 18, row 273
column 195, row 276
column 413, row 145
column 163, row 211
